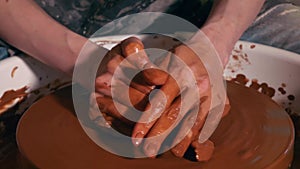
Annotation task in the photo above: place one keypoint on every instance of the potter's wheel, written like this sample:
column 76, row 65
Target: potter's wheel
column 257, row 134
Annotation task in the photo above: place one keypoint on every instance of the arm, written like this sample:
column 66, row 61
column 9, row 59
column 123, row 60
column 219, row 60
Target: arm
column 27, row 27
column 227, row 22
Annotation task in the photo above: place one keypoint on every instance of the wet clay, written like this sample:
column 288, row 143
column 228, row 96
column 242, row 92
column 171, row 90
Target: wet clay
column 262, row 87
column 10, row 97
column 13, row 71
column 256, row 134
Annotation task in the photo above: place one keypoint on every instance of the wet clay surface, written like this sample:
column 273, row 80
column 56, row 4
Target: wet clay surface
column 256, row 134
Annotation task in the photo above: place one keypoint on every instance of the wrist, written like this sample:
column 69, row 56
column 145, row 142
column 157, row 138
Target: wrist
column 223, row 36
column 74, row 43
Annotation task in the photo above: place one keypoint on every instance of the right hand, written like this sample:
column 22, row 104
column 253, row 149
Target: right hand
column 171, row 114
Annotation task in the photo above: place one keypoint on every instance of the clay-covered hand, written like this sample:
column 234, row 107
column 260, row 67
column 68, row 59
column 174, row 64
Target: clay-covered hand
column 173, row 116
column 138, row 88
column 170, row 87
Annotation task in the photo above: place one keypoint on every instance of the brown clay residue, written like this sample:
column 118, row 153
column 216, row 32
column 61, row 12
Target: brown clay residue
column 13, row 71
column 53, row 86
column 10, row 96
column 262, row 87
column 265, row 89
column 254, row 84
column 291, row 97
column 288, row 105
column 281, row 90
column 235, row 57
column 241, row 79
column 239, row 59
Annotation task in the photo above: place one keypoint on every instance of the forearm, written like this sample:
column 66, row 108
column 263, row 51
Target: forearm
column 227, row 22
column 27, row 27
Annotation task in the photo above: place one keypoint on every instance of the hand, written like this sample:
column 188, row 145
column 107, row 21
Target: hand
column 139, row 87
column 169, row 87
column 171, row 116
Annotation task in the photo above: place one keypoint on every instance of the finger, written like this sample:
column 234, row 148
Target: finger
column 141, row 85
column 153, row 75
column 94, row 114
column 183, row 139
column 183, row 145
column 116, row 58
column 103, row 84
column 108, row 57
column 170, row 90
column 104, row 76
column 162, row 128
column 127, row 69
column 114, row 62
column 106, row 105
column 109, row 116
column 129, row 96
column 203, row 151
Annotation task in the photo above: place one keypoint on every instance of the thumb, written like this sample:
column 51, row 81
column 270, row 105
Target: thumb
column 152, row 74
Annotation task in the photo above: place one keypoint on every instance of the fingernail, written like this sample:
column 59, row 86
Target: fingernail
column 138, row 138
column 178, row 150
column 151, row 149
column 137, row 141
